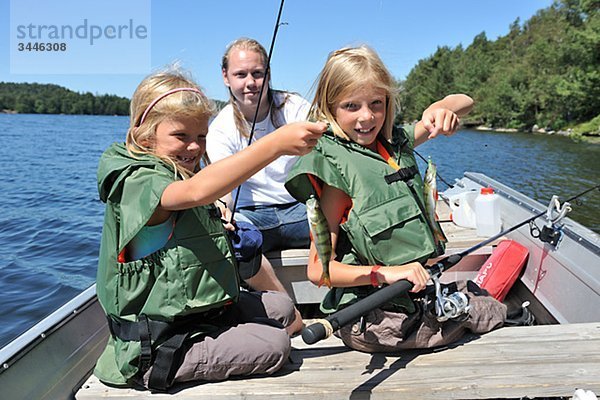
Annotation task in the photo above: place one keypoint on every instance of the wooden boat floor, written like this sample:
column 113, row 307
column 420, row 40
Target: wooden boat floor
column 545, row 361
column 542, row 361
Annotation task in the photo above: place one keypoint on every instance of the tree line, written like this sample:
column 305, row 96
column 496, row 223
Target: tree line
column 544, row 72
column 35, row 98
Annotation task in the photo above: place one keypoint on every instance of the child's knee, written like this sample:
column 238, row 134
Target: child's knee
column 274, row 349
column 280, row 307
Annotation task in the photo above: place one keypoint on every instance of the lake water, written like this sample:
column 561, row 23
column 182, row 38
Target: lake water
column 51, row 219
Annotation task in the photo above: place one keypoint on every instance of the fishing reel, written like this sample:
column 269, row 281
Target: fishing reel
column 551, row 233
column 449, row 306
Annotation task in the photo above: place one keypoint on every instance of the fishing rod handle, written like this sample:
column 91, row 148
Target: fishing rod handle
column 317, row 331
column 324, row 328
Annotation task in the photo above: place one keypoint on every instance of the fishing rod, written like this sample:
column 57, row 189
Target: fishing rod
column 260, row 94
column 324, row 328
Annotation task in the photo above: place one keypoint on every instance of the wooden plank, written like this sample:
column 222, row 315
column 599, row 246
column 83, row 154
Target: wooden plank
column 538, row 361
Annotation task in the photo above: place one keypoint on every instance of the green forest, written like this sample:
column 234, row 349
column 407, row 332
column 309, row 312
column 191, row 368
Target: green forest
column 544, row 72
column 34, row 98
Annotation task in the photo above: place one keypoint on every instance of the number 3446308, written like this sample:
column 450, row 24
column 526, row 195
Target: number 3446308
column 37, row 46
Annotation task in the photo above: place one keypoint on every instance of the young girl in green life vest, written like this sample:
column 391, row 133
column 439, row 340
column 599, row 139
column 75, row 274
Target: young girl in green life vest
column 167, row 275
column 378, row 229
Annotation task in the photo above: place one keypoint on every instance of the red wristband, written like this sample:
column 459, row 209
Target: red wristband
column 374, row 280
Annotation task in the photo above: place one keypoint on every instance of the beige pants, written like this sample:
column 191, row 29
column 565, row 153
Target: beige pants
column 387, row 331
column 252, row 341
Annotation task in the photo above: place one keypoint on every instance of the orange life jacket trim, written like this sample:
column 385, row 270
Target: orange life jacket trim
column 386, row 156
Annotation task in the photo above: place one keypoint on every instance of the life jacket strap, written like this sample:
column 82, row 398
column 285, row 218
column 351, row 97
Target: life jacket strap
column 163, row 371
column 146, row 331
column 403, row 174
column 167, row 355
column 134, row 331
column 146, row 343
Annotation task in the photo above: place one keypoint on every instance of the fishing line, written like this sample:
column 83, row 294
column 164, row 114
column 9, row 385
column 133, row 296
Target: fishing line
column 260, row 94
column 582, row 193
column 436, row 173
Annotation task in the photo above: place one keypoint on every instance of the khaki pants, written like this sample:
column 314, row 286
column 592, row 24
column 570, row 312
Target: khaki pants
column 387, row 331
column 252, row 341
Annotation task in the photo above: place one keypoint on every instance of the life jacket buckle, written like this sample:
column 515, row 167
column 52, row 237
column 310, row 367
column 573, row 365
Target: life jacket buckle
column 403, row 174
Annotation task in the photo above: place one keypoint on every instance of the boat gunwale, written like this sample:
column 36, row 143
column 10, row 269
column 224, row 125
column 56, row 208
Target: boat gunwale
column 20, row 346
column 570, row 227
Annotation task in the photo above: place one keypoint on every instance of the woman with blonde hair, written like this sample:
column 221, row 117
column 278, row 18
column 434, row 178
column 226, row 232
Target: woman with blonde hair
column 263, row 199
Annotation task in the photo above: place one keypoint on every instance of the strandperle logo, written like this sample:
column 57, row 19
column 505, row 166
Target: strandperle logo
column 80, row 37
column 85, row 31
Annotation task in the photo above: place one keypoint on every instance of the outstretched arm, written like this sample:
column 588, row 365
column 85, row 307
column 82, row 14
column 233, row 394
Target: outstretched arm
column 442, row 117
column 218, row 179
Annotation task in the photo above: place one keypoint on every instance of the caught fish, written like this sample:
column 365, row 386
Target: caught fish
column 319, row 231
column 431, row 195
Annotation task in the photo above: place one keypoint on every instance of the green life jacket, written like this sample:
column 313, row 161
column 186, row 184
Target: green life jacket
column 193, row 273
column 387, row 224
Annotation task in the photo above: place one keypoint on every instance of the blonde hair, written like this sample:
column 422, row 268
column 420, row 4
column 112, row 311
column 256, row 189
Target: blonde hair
column 189, row 102
column 241, row 124
column 346, row 71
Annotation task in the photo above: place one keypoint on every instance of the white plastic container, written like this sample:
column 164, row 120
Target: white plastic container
column 487, row 213
column 462, row 206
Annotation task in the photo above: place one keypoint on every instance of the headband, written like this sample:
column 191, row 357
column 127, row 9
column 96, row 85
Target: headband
column 159, row 98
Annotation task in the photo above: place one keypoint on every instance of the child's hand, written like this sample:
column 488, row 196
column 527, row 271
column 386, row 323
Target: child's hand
column 413, row 272
column 225, row 216
column 299, row 138
column 440, row 120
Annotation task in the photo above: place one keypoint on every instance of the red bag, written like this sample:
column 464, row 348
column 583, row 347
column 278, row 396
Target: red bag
column 502, row 268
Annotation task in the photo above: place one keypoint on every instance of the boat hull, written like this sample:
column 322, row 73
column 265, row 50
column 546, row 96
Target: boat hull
column 53, row 359
column 565, row 278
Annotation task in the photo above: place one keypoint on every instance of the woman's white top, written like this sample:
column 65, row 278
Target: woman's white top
column 223, row 140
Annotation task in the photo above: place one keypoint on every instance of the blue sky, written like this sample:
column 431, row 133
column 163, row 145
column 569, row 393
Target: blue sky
column 196, row 32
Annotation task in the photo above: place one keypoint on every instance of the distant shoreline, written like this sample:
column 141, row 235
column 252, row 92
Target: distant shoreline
column 588, row 138
column 513, row 130
column 13, row 112
column 585, row 137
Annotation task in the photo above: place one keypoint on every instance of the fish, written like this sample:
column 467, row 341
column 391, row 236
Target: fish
column 431, row 195
column 319, row 231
